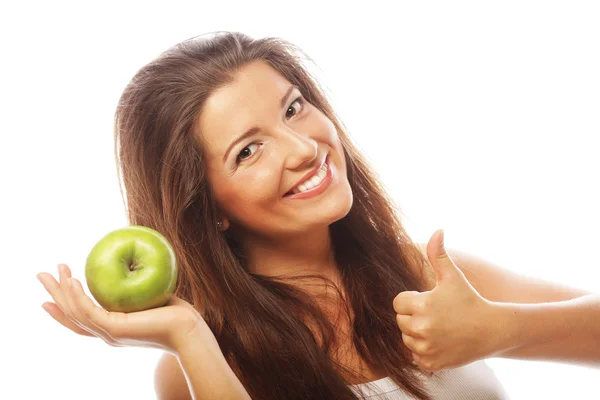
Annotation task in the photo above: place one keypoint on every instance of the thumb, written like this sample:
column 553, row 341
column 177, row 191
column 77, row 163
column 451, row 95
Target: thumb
column 442, row 264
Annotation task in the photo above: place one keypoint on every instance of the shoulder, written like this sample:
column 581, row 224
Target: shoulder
column 169, row 380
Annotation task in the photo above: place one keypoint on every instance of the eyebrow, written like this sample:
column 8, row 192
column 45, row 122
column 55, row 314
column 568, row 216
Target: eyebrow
column 255, row 129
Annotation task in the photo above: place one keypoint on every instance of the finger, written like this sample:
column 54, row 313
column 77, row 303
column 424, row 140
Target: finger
column 405, row 323
column 418, row 347
column 53, row 287
column 81, row 304
column 56, row 313
column 404, row 302
column 410, row 325
column 410, row 342
column 64, row 272
column 71, row 311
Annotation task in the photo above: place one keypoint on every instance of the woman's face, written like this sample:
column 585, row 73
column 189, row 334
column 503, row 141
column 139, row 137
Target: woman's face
column 250, row 177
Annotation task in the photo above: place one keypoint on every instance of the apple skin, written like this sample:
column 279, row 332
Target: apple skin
column 149, row 284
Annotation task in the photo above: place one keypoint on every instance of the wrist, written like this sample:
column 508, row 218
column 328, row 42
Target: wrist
column 505, row 327
column 191, row 334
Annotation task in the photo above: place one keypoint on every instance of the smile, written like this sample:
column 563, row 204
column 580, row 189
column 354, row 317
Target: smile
column 322, row 179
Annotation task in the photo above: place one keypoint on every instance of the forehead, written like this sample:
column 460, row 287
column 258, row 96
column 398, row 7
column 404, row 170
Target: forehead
column 232, row 109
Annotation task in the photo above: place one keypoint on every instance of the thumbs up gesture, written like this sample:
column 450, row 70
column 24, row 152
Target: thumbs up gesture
column 448, row 326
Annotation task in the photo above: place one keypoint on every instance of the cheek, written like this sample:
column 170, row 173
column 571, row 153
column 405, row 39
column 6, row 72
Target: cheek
column 248, row 194
column 338, row 148
column 333, row 136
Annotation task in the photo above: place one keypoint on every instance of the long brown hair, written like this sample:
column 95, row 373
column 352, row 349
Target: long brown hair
column 260, row 322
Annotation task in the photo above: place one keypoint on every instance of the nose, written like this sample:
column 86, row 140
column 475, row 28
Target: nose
column 301, row 149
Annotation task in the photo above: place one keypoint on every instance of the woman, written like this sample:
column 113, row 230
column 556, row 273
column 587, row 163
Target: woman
column 298, row 280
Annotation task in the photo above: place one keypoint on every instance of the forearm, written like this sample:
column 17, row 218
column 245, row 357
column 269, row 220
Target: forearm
column 565, row 331
column 207, row 373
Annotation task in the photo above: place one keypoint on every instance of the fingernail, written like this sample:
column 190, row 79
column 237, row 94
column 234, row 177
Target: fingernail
column 38, row 277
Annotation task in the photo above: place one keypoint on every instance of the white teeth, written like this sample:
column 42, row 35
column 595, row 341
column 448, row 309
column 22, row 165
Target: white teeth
column 311, row 182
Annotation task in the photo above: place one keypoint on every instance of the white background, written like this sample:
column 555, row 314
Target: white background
column 481, row 118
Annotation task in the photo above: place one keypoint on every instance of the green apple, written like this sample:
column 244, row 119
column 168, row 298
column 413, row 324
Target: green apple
column 131, row 269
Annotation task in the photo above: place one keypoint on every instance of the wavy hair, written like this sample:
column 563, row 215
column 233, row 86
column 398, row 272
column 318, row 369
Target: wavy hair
column 261, row 323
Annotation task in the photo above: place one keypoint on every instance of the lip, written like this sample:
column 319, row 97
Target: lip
column 309, row 174
column 317, row 190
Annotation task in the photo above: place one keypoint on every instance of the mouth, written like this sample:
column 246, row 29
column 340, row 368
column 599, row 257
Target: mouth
column 324, row 182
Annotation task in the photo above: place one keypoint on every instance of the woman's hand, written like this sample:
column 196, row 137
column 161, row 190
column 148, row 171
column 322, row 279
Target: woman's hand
column 164, row 327
column 449, row 326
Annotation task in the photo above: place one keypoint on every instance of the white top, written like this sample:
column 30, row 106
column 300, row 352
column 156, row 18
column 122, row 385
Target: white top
column 475, row 381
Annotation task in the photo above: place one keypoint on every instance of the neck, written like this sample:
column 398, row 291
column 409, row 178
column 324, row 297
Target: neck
column 310, row 254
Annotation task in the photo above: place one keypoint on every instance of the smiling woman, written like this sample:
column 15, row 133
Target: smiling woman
column 238, row 123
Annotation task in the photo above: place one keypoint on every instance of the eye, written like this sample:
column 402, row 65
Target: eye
column 300, row 101
column 237, row 159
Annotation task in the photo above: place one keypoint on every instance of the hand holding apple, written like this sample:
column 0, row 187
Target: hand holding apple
column 165, row 328
column 147, row 286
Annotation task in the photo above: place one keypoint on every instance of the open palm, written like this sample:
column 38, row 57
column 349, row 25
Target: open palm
column 162, row 327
